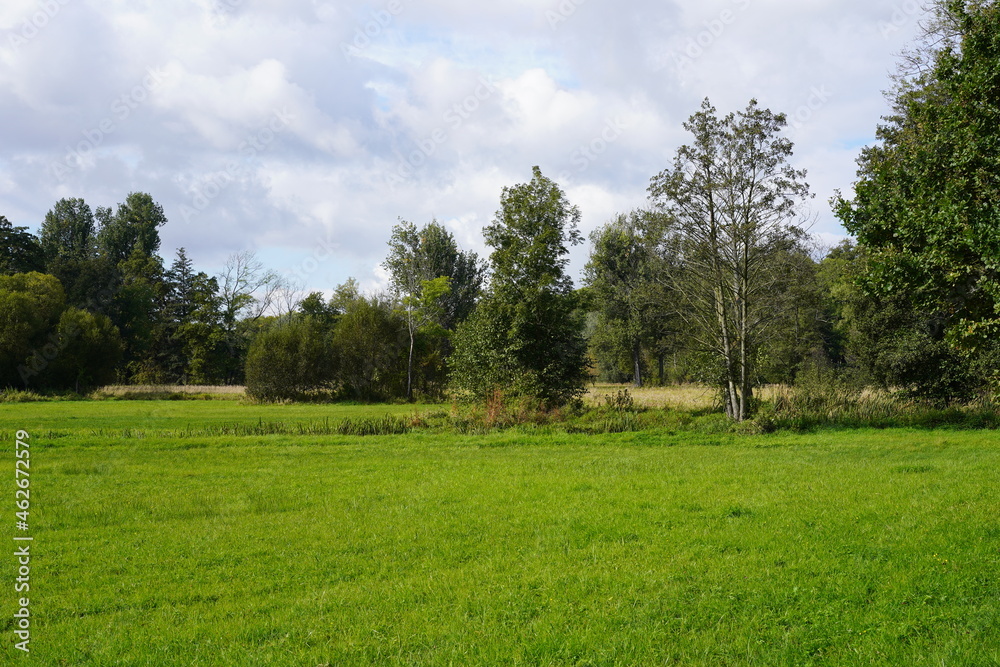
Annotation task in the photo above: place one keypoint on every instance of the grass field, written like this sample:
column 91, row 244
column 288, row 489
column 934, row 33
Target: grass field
column 839, row 547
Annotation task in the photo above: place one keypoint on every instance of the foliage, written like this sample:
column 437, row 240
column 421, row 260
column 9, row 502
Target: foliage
column 71, row 254
column 247, row 292
column 30, row 307
column 132, row 228
column 287, row 361
column 926, row 203
column 69, row 232
column 525, row 337
column 191, row 340
column 369, row 342
column 732, row 195
column 629, row 274
column 20, row 251
column 90, row 349
column 422, row 296
column 419, row 255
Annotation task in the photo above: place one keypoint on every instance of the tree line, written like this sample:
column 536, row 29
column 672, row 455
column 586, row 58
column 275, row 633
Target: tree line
column 714, row 279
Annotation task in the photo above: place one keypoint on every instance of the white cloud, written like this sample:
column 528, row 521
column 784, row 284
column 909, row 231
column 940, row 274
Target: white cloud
column 446, row 103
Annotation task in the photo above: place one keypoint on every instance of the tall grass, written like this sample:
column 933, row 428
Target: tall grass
column 21, row 396
column 824, row 399
column 358, row 426
column 171, row 392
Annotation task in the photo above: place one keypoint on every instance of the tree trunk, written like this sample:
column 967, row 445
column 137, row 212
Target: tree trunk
column 409, row 368
column 637, row 364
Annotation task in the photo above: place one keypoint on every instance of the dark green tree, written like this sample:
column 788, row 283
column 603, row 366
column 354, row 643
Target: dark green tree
column 801, row 331
column 137, row 311
column 288, row 360
column 421, row 266
column 525, row 337
column 69, row 231
column 191, row 340
column 133, row 228
column 30, row 306
column 369, row 347
column 315, row 306
column 926, row 206
column 69, row 246
column 90, row 348
column 630, row 289
column 20, row 251
column 441, row 257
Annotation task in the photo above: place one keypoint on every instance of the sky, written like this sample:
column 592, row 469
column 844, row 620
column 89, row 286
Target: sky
column 304, row 129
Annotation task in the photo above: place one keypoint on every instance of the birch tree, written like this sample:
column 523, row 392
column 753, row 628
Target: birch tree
column 434, row 283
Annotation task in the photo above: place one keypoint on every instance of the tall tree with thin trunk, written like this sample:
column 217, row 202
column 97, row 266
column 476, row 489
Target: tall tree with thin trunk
column 435, row 284
column 734, row 198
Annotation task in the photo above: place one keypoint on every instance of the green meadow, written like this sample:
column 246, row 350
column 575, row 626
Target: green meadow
column 158, row 545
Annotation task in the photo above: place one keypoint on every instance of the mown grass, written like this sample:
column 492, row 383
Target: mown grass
column 694, row 548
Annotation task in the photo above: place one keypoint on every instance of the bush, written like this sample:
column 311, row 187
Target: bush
column 370, row 344
column 288, row 361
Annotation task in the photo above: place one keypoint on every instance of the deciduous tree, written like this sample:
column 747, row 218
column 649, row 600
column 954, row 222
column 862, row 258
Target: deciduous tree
column 732, row 196
column 20, row 251
column 926, row 206
column 525, row 338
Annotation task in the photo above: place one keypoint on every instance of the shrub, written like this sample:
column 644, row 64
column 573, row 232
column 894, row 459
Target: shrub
column 287, row 361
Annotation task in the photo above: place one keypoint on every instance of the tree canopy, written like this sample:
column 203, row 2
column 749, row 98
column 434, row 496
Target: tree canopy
column 926, row 206
column 524, row 338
